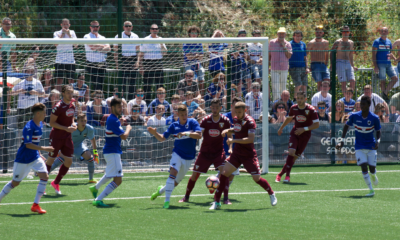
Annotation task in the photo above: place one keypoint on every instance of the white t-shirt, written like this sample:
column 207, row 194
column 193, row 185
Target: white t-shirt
column 142, row 104
column 27, row 100
column 255, row 51
column 318, row 97
column 375, row 99
column 128, row 50
column 65, row 52
column 153, row 121
column 152, row 51
column 254, row 104
column 94, row 56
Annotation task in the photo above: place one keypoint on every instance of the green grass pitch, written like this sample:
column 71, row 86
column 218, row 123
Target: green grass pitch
column 319, row 203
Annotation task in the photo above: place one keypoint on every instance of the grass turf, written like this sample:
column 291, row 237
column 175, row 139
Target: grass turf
column 308, row 208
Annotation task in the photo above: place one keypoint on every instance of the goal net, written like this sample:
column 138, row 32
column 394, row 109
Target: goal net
column 152, row 76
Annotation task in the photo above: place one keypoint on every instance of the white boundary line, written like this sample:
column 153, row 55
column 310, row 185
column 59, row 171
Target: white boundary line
column 203, row 195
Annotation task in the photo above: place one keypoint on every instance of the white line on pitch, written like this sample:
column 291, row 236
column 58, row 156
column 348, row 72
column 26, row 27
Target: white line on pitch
column 204, row 195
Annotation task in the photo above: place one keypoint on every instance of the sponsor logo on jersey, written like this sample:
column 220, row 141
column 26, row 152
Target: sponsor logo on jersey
column 301, row 118
column 369, row 122
column 307, row 111
column 237, row 127
column 213, row 132
column 221, row 125
column 295, row 109
column 27, row 137
column 177, row 128
column 54, row 110
column 359, row 121
column 70, row 112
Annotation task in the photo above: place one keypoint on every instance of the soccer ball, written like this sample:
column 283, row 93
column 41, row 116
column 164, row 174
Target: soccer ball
column 212, row 183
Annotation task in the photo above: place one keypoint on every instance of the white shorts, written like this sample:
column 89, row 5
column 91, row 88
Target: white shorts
column 181, row 165
column 21, row 170
column 366, row 156
column 236, row 172
column 114, row 165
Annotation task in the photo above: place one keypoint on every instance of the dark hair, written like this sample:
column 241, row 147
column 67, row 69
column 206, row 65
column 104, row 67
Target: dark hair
column 139, row 90
column 367, row 99
column 182, row 108
column 349, row 89
column 216, row 101
column 193, row 28
column 240, row 105
column 278, row 104
column 135, row 106
column 298, row 32
column 302, row 93
column 237, row 99
column 321, row 103
column 115, row 101
column 256, row 32
column 80, row 75
column 81, row 115
column 66, row 87
column 98, row 91
column 38, row 107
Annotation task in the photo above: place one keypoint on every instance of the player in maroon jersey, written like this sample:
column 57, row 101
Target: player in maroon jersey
column 62, row 119
column 244, row 153
column 212, row 148
column 306, row 119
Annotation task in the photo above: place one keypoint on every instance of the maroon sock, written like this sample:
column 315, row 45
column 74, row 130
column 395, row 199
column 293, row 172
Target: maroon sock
column 289, row 164
column 264, row 184
column 190, row 187
column 226, row 190
column 61, row 173
column 48, row 168
column 222, row 184
column 282, row 171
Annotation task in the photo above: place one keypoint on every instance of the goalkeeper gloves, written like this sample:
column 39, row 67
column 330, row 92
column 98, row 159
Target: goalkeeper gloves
column 95, row 156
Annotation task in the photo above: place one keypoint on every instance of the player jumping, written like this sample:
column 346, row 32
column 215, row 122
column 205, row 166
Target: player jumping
column 62, row 119
column 306, row 119
column 112, row 154
column 187, row 131
column 365, row 123
column 212, row 148
column 244, row 153
column 84, row 131
column 28, row 157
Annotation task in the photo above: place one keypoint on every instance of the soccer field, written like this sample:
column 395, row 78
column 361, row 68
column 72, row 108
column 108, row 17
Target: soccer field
column 319, row 203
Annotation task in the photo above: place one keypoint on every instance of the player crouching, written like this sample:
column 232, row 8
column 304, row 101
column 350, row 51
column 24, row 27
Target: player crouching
column 244, row 153
column 28, row 157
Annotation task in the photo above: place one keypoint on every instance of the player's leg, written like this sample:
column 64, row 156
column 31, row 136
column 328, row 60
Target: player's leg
column 88, row 157
column 40, row 167
column 362, row 161
column 57, row 162
column 66, row 152
column 293, row 142
column 190, row 186
column 20, row 171
column 227, row 185
column 372, row 159
column 302, row 142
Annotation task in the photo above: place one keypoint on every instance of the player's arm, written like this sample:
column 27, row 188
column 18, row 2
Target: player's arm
column 125, row 135
column 247, row 140
column 228, row 131
column 378, row 139
column 54, row 124
column 286, row 122
column 94, row 146
column 194, row 135
column 345, row 129
column 313, row 126
column 158, row 136
column 39, row 148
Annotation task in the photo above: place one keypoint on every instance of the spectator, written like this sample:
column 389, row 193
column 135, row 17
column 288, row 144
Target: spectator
column 9, row 49
column 235, row 91
column 157, row 119
column 239, row 70
column 285, row 97
column 1, row 111
column 82, row 88
column 348, row 101
column 345, row 118
column 96, row 109
column 127, row 62
column 255, row 59
column 381, row 60
column 135, row 118
column 323, row 95
column 159, row 100
column 322, row 116
column 339, row 111
column 217, row 89
column 150, row 63
column 45, row 80
column 124, row 103
column 175, row 100
column 193, row 54
column 382, row 114
column 28, row 90
column 375, row 98
column 254, row 101
column 216, row 50
column 319, row 55
column 280, row 112
column 280, row 51
column 31, row 60
column 394, row 107
column 188, row 84
column 270, row 119
column 190, row 104
column 96, row 55
column 357, row 106
column 174, row 117
column 79, row 105
column 65, row 60
column 298, row 69
column 138, row 101
column 50, row 102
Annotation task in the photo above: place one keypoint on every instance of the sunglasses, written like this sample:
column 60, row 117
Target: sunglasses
column 281, row 107
column 194, row 33
column 161, row 109
column 98, row 97
column 161, row 93
column 128, row 26
column 321, row 108
column 153, row 28
column 95, row 26
column 140, row 95
column 189, row 76
column 135, row 111
column 256, row 88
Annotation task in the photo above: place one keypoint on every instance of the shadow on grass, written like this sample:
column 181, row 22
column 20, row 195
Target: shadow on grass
column 295, row 183
column 174, row 207
column 355, row 197
column 235, row 210
column 54, row 196
column 21, row 215
column 110, row 205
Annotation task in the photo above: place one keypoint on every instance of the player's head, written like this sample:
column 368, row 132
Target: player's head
column 116, row 106
column 240, row 109
column 81, row 120
column 189, row 97
column 215, row 106
column 39, row 111
column 182, row 112
column 301, row 98
column 67, row 92
column 235, row 100
column 365, row 103
column 135, row 110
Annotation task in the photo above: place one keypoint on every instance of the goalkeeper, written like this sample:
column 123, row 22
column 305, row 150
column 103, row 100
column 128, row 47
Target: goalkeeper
column 84, row 131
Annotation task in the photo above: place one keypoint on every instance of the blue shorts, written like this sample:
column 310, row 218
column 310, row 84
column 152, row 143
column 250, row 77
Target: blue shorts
column 79, row 149
column 386, row 69
column 319, row 71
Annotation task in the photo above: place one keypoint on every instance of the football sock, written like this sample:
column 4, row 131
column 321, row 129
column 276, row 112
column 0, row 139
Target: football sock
column 57, row 162
column 367, row 180
column 372, row 169
column 264, row 184
column 61, row 173
column 107, row 191
column 102, row 181
column 190, row 187
column 90, row 167
column 230, row 183
column 162, row 190
column 283, row 170
column 222, row 184
column 169, row 187
column 226, row 189
column 6, row 189
column 289, row 164
column 41, row 188
column 48, row 168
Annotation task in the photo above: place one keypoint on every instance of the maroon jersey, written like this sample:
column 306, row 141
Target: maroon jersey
column 213, row 142
column 65, row 113
column 303, row 117
column 242, row 129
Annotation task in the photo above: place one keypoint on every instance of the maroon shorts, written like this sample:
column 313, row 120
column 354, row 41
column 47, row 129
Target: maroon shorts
column 204, row 161
column 66, row 146
column 249, row 163
column 299, row 143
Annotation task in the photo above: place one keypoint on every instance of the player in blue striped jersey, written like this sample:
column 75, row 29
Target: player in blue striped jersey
column 29, row 157
column 365, row 124
column 187, row 131
column 112, row 154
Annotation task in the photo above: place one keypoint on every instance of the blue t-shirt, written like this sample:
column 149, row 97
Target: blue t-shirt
column 384, row 47
column 364, row 129
column 113, row 131
column 151, row 109
column 213, row 89
column 216, row 60
column 82, row 91
column 348, row 106
column 299, row 52
column 193, row 106
column 192, row 48
column 226, row 147
column 78, row 137
column 169, row 120
column 185, row 146
column 30, row 134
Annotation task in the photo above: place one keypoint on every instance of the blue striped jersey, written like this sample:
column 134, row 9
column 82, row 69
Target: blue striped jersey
column 30, row 134
column 113, row 131
column 364, row 129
